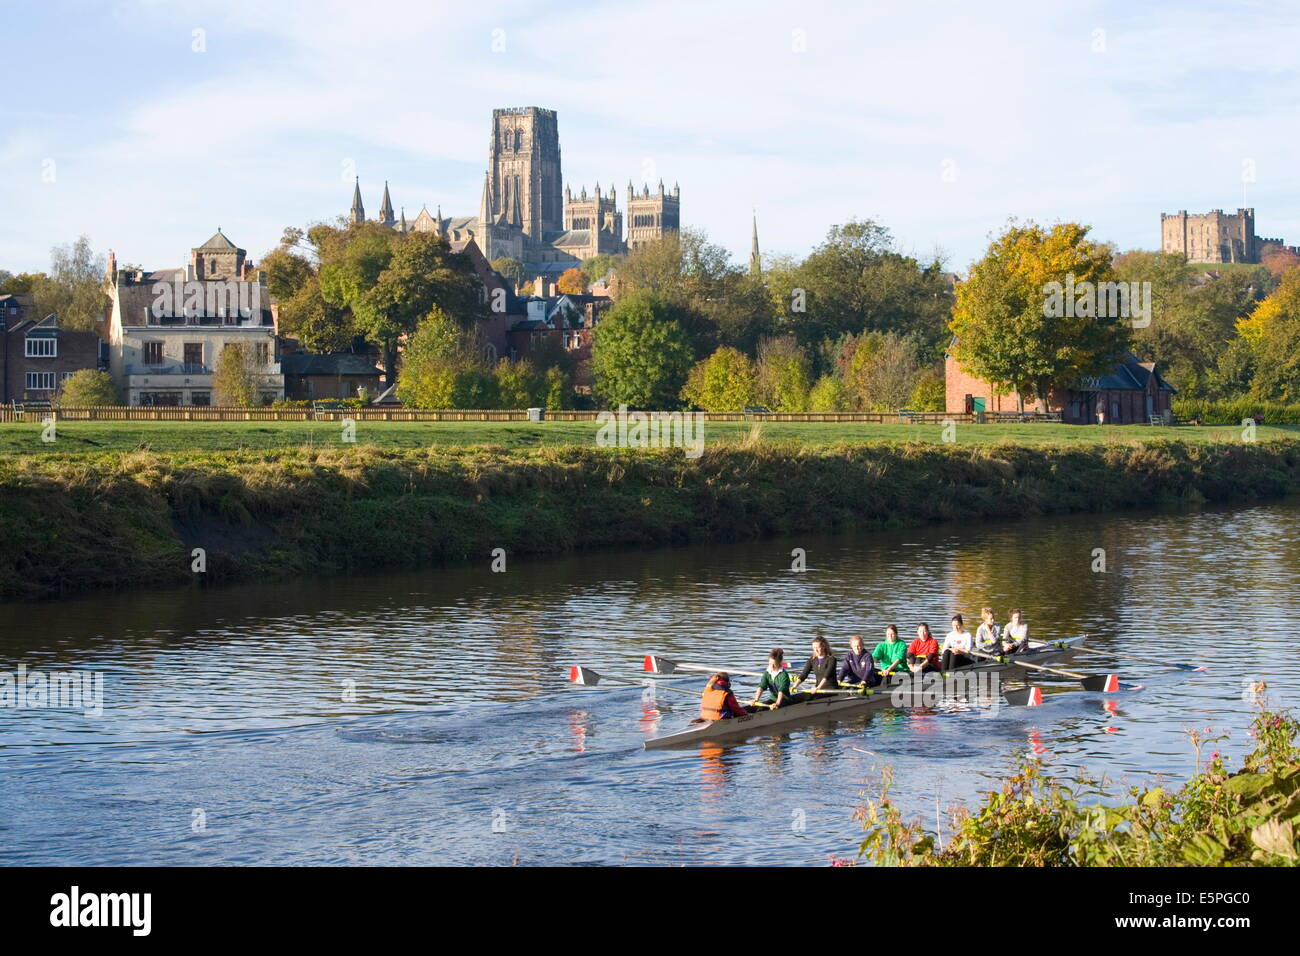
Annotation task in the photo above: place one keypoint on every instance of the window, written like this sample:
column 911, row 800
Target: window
column 40, row 381
column 160, row 398
column 201, row 398
column 153, row 353
column 262, row 353
column 42, row 348
column 194, row 357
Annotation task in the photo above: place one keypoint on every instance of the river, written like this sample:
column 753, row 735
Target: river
column 425, row 717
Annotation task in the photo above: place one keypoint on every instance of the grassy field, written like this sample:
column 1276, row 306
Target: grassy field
column 23, row 438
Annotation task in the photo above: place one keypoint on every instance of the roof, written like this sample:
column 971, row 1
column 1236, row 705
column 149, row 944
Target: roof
column 340, row 363
column 218, row 243
column 1131, row 375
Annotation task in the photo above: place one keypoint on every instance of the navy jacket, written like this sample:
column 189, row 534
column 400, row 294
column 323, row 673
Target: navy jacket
column 859, row 668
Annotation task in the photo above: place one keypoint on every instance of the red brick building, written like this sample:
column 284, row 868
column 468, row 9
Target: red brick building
column 37, row 356
column 1131, row 393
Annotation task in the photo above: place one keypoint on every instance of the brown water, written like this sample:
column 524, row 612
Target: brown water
column 426, row 717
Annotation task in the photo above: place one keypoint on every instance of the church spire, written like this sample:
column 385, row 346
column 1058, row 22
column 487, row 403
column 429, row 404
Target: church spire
column 358, row 213
column 386, row 209
column 755, row 260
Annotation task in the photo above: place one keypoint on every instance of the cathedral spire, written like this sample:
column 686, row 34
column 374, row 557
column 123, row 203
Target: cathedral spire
column 402, row 221
column 755, row 260
column 358, row 213
column 386, row 209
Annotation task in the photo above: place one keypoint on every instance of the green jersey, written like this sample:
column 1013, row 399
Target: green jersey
column 888, row 654
column 778, row 683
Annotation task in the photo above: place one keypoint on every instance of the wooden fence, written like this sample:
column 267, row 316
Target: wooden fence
column 208, row 413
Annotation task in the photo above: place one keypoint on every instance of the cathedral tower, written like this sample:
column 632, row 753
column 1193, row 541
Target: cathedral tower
column 524, row 183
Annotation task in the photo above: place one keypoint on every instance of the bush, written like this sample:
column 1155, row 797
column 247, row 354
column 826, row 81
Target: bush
column 88, row 388
column 830, row 394
column 1235, row 412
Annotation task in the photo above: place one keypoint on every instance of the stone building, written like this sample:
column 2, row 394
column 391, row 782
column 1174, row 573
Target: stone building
column 167, row 328
column 526, row 213
column 1215, row 236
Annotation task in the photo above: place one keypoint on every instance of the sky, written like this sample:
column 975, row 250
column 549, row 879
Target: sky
column 147, row 124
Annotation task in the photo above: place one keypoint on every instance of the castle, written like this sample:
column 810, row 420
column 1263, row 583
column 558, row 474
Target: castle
column 1215, row 236
column 525, row 211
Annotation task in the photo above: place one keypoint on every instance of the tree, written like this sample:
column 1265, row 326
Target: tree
column 1272, row 333
column 855, row 281
column 726, row 381
column 233, row 381
column 391, row 281
column 784, row 377
column 559, row 388
column 641, row 354
column 520, row 385
column 88, row 388
column 930, row 393
column 599, row 266
column 571, row 282
column 830, row 394
column 316, row 323
column 433, row 358
column 882, row 371
column 286, row 271
column 510, row 268
column 73, row 288
column 1007, row 332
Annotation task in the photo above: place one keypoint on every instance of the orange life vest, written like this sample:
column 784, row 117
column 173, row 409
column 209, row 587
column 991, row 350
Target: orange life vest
column 713, row 702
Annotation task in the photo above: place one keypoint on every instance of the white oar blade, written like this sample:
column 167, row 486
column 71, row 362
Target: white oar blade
column 659, row 665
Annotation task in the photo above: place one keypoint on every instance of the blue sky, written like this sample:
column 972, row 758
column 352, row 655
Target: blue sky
column 939, row 120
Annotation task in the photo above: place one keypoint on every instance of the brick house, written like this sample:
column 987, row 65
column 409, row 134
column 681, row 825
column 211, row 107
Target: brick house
column 1130, row 393
column 36, row 357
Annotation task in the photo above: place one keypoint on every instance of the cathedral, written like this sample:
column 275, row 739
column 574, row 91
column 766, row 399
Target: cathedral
column 525, row 212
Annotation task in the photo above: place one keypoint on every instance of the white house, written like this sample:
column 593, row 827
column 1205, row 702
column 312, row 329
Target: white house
column 167, row 328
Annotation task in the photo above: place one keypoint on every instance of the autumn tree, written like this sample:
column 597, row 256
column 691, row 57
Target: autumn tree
column 1006, row 332
column 783, row 374
column 1272, row 334
column 726, row 381
column 73, row 288
column 572, row 282
column 234, row 384
column 88, row 388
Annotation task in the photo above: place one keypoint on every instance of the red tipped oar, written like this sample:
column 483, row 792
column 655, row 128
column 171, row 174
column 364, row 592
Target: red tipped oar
column 1107, row 683
column 590, row 678
column 655, row 664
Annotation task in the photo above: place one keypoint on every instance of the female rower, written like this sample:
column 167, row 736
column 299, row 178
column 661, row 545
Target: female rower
column 890, row 654
column 821, row 665
column 957, row 646
column 1015, row 636
column 718, row 702
column 923, row 653
column 858, row 669
column 775, row 680
column 988, row 639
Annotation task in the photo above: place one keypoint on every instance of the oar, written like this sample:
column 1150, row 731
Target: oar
column 1108, row 683
column 590, row 678
column 655, row 664
column 1144, row 660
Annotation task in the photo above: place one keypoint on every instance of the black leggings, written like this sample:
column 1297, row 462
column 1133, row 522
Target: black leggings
column 955, row 659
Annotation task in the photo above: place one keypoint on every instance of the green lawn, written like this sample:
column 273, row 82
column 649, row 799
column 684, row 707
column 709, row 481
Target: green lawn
column 91, row 437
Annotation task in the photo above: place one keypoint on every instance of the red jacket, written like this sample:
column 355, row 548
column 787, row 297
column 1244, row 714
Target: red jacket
column 925, row 647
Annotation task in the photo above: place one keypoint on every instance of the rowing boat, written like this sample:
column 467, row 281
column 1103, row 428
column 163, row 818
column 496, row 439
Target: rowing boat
column 823, row 706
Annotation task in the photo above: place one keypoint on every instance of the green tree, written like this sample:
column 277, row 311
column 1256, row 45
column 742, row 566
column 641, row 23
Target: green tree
column 286, row 271
column 88, row 388
column 882, row 371
column 434, row 356
column 830, row 394
column 520, row 385
column 930, row 392
column 1272, row 333
column 233, row 381
column 598, row 266
column 783, row 373
column 726, row 381
column 1006, row 330
column 316, row 323
column 641, row 354
column 559, row 388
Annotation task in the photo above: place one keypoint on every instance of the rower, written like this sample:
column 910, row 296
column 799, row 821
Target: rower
column 775, row 681
column 923, row 653
column 821, row 665
column 1015, row 636
column 890, row 655
column 858, row 669
column 988, row 639
column 718, row 702
column 957, row 646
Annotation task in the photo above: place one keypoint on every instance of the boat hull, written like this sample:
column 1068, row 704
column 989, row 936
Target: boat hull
column 833, row 706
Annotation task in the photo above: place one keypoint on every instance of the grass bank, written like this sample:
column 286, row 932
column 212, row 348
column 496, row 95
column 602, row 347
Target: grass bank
column 70, row 522
column 90, row 438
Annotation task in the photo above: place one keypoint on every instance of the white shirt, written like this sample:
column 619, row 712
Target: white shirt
column 1017, row 632
column 957, row 641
